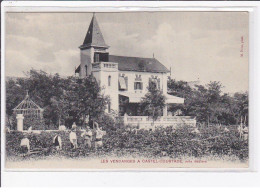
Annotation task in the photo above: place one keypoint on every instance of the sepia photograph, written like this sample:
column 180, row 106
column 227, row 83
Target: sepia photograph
column 126, row 90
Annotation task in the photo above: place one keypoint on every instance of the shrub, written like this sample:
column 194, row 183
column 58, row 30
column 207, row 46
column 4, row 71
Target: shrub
column 35, row 123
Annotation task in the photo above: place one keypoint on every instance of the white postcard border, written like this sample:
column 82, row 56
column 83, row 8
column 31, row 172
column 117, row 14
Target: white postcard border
column 252, row 7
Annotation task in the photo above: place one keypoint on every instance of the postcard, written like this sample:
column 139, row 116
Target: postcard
column 126, row 90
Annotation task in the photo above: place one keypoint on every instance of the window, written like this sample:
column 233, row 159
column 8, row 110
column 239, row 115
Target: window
column 138, row 85
column 123, row 83
column 109, row 107
column 109, row 80
column 86, row 68
column 96, row 57
column 101, row 57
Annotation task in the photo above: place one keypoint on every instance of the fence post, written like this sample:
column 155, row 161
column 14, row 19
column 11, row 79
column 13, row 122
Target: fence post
column 125, row 119
column 20, row 118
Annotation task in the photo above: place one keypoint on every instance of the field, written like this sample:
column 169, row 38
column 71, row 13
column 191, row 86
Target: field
column 210, row 143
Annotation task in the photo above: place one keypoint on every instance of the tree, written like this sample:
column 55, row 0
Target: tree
column 153, row 102
column 209, row 104
column 64, row 100
column 241, row 105
column 15, row 93
column 83, row 98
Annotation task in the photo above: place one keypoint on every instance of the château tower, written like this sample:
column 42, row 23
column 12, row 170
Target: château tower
column 94, row 59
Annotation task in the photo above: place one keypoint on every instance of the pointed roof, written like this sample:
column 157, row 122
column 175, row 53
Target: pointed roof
column 28, row 107
column 94, row 36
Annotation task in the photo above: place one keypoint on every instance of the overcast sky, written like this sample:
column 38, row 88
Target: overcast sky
column 194, row 44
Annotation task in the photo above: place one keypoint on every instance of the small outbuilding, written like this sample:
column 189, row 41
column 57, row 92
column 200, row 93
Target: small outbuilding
column 28, row 108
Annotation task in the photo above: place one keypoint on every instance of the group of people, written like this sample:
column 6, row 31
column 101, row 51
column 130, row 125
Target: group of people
column 89, row 135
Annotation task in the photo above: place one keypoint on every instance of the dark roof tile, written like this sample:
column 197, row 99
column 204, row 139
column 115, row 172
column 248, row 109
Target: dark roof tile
column 138, row 64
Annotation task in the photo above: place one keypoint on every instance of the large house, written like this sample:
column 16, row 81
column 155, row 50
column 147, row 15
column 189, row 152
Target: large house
column 124, row 79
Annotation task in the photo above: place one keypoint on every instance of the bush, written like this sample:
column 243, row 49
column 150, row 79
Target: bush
column 109, row 123
column 35, row 123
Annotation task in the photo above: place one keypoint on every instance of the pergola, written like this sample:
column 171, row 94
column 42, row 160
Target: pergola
column 28, row 108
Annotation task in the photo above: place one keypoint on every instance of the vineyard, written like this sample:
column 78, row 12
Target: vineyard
column 207, row 142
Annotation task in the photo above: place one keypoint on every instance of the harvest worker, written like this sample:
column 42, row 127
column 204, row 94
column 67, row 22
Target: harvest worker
column 25, row 145
column 99, row 136
column 74, row 126
column 73, row 140
column 57, row 142
column 245, row 132
column 87, row 137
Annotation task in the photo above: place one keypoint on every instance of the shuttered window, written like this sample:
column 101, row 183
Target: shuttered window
column 123, row 83
column 138, row 86
column 109, row 80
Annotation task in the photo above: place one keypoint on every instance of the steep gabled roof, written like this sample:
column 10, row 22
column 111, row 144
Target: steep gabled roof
column 94, row 36
column 138, row 64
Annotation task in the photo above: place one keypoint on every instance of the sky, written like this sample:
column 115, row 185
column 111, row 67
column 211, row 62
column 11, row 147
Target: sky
column 196, row 45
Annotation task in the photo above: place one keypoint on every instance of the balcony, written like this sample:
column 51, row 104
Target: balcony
column 106, row 66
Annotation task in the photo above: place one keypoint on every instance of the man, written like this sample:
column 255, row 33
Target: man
column 73, row 140
column 245, row 132
column 25, row 145
column 57, row 142
column 30, row 129
column 87, row 137
column 99, row 136
column 74, row 126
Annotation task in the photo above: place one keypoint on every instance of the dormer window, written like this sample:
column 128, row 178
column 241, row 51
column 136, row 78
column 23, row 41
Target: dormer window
column 138, row 77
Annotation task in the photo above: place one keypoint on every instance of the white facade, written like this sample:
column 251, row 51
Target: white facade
column 130, row 80
column 145, row 76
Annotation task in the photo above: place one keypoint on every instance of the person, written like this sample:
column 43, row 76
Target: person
column 73, row 139
column 226, row 129
column 87, row 120
column 30, row 129
column 240, row 128
column 245, row 132
column 57, row 142
column 87, row 137
column 25, row 145
column 99, row 136
column 195, row 131
column 74, row 126
column 62, row 127
column 7, row 130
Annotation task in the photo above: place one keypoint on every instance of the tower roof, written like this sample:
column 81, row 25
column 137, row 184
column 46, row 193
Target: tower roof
column 94, row 36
